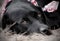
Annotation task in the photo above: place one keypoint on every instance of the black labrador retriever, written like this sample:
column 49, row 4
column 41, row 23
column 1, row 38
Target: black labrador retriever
column 26, row 17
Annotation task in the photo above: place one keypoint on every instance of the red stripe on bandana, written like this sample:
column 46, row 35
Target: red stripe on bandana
column 34, row 2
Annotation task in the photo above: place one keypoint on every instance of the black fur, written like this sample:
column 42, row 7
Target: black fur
column 19, row 11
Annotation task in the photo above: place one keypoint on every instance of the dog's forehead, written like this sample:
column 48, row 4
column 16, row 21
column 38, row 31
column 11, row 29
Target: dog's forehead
column 20, row 6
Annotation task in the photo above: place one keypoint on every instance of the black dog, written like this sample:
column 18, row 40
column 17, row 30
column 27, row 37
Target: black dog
column 19, row 11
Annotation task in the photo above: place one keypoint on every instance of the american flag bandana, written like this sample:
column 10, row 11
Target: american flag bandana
column 34, row 2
